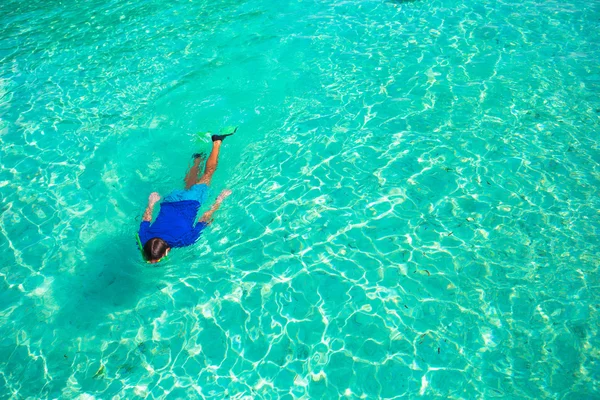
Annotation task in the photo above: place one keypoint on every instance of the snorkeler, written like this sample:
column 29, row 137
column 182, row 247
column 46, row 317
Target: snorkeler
column 176, row 224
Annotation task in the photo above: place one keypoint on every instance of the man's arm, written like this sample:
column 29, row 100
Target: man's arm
column 207, row 216
column 152, row 200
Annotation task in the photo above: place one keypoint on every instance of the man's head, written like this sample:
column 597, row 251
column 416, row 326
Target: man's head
column 155, row 249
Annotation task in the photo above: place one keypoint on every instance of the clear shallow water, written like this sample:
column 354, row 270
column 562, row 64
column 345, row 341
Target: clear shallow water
column 414, row 208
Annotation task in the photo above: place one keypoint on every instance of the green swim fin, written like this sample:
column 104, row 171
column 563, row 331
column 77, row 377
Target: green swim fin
column 226, row 130
column 203, row 137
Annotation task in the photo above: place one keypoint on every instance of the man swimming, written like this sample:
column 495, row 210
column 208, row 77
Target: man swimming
column 176, row 224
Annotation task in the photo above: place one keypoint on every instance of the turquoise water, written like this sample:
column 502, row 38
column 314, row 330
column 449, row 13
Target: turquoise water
column 414, row 209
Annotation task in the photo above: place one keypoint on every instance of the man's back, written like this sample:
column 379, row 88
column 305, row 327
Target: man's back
column 175, row 224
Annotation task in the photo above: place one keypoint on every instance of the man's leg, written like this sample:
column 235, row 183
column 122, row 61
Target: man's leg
column 192, row 176
column 211, row 163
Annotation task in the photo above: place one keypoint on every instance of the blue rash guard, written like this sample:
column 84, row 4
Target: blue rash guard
column 176, row 221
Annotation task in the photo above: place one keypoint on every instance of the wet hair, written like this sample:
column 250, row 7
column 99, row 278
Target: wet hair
column 155, row 249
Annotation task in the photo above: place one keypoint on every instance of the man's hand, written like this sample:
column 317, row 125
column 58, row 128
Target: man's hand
column 152, row 200
column 207, row 216
column 224, row 194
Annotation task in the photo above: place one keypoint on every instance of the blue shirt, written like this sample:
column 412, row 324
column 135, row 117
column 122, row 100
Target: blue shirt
column 175, row 224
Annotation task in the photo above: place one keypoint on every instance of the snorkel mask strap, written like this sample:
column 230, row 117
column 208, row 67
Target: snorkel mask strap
column 139, row 242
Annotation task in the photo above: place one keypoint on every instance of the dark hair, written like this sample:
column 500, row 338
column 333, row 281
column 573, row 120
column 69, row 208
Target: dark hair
column 155, row 249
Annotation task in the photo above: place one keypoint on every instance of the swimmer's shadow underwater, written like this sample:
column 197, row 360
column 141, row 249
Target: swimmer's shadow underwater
column 113, row 275
column 112, row 278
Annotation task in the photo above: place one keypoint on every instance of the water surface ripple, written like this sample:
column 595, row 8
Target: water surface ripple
column 414, row 209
